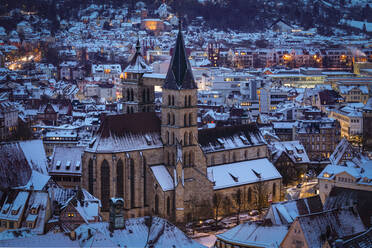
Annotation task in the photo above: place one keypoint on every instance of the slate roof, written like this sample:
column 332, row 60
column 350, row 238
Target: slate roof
column 179, row 74
column 14, row 168
column 363, row 240
column 229, row 137
column 62, row 164
column 286, row 212
column 129, row 132
column 137, row 64
column 330, row 225
column 345, row 197
column 341, row 148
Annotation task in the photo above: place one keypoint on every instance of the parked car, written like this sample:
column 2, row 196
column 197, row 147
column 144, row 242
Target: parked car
column 253, row 213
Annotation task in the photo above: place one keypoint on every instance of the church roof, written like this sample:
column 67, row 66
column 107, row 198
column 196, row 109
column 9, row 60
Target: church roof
column 229, row 137
column 179, row 74
column 137, row 64
column 129, row 132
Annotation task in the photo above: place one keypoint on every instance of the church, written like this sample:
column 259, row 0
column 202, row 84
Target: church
column 166, row 166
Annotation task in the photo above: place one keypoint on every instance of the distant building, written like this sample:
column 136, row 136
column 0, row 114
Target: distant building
column 8, row 120
column 319, row 137
column 367, row 127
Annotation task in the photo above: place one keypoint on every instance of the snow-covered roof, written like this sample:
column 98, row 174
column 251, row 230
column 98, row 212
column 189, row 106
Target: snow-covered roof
column 294, row 150
column 241, row 173
column 12, row 208
column 339, row 222
column 252, row 234
column 70, row 164
column 39, row 201
column 284, row 213
column 163, row 177
column 35, row 155
column 360, row 171
column 229, row 137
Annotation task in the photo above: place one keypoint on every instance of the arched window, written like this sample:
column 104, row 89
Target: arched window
column 173, row 119
column 190, row 158
column 274, row 189
column 184, row 158
column 128, row 95
column 173, row 139
column 168, row 206
column 185, row 101
column 90, row 176
column 156, row 204
column 144, row 95
column 167, row 137
column 173, row 158
column 148, row 95
column 132, row 178
column 168, row 119
column 185, row 139
column 249, row 195
column 189, row 101
column 169, row 100
column 144, row 182
column 120, row 179
column 190, row 138
column 185, row 120
column 172, row 100
column 131, row 95
column 190, row 119
column 105, row 185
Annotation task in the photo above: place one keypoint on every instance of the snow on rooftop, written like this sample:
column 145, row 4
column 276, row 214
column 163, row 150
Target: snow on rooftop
column 241, row 173
column 35, row 155
column 255, row 235
column 163, row 177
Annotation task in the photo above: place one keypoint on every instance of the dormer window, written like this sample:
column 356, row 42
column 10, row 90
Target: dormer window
column 326, row 175
column 58, row 165
column 68, row 165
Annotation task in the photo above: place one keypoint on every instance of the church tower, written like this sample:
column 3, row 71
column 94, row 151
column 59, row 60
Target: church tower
column 179, row 109
column 137, row 97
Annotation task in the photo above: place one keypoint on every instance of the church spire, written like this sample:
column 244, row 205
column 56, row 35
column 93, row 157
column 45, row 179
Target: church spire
column 179, row 74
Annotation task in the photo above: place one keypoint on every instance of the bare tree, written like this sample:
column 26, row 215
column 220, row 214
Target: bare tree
column 238, row 204
column 260, row 195
column 217, row 202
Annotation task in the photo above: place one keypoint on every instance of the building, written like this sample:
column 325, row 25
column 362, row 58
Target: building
column 160, row 165
column 351, row 123
column 269, row 98
column 350, row 174
column 82, row 208
column 8, row 120
column 66, row 170
column 346, row 197
column 65, row 138
column 354, row 93
column 137, row 96
column 367, row 127
column 322, row 229
column 290, row 159
column 319, row 137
